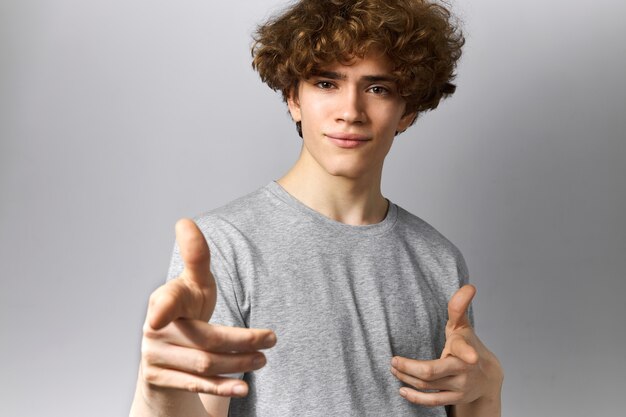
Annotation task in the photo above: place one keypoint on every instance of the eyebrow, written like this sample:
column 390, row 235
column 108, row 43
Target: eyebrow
column 333, row 75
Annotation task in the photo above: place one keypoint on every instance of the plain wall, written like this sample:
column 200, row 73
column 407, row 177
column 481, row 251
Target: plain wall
column 119, row 117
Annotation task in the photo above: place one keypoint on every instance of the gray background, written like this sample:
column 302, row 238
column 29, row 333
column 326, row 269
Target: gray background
column 119, row 117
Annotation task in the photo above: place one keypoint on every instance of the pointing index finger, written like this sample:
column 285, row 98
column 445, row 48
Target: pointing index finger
column 429, row 370
column 198, row 334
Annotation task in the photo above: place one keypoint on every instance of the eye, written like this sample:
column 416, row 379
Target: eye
column 379, row 90
column 324, row 85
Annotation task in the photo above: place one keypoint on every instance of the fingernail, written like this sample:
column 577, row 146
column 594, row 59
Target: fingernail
column 258, row 361
column 394, row 361
column 270, row 340
column 239, row 389
column 403, row 392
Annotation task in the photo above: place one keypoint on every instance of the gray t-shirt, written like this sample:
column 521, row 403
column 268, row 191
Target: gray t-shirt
column 343, row 300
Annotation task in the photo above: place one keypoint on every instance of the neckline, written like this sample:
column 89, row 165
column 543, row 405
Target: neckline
column 363, row 230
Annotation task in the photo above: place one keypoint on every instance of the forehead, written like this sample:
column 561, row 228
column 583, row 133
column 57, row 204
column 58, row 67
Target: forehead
column 374, row 62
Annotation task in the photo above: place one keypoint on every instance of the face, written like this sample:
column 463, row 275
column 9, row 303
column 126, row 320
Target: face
column 350, row 115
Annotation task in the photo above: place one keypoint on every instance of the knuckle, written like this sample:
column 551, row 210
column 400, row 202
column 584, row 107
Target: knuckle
column 204, row 364
column 250, row 338
column 195, row 386
column 419, row 384
column 148, row 355
column 150, row 375
column 428, row 372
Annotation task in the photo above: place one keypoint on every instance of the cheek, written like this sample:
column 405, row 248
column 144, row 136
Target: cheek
column 387, row 117
column 312, row 117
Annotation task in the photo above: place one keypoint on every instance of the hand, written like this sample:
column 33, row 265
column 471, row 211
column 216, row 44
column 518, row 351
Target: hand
column 180, row 350
column 467, row 372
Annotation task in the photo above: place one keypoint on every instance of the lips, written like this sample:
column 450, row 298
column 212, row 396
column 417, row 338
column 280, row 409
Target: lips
column 347, row 140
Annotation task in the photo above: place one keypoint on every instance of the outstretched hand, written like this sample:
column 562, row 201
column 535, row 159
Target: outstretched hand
column 193, row 294
column 466, row 375
column 180, row 350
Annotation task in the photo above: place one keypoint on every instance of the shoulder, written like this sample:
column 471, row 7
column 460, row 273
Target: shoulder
column 244, row 214
column 428, row 241
column 239, row 229
column 416, row 228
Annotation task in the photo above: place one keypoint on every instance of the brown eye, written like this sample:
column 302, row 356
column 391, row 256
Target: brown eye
column 379, row 90
column 324, row 85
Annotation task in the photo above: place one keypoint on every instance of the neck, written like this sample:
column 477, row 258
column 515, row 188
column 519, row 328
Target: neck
column 353, row 201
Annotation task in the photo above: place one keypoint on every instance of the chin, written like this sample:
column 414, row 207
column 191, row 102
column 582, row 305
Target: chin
column 347, row 166
column 348, row 172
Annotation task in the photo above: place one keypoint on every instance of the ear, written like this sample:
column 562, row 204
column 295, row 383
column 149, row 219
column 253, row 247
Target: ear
column 406, row 121
column 294, row 105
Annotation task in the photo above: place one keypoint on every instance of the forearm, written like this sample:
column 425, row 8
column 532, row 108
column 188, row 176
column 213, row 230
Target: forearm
column 153, row 402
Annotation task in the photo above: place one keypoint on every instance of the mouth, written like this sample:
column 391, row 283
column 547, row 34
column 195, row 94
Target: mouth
column 347, row 140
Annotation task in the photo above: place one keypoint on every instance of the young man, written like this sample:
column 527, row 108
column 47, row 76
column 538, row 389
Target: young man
column 353, row 287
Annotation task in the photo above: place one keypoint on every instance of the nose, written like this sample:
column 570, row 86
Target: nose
column 350, row 107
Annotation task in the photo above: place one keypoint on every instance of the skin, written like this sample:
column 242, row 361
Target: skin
column 344, row 184
column 181, row 354
column 360, row 99
column 350, row 115
column 467, row 375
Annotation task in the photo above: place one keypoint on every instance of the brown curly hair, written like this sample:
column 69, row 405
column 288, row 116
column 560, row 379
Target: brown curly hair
column 418, row 36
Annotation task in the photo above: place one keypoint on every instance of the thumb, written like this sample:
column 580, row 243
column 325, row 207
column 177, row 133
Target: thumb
column 195, row 254
column 458, row 307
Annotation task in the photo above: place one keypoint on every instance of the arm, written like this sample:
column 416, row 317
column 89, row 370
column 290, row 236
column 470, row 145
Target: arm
column 467, row 376
column 182, row 355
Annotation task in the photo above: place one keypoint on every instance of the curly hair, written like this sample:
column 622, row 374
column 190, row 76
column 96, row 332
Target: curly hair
column 418, row 36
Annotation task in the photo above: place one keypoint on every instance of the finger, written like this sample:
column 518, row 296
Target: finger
column 170, row 378
column 445, row 383
column 195, row 254
column 199, row 362
column 212, row 338
column 429, row 370
column 460, row 348
column 167, row 303
column 194, row 296
column 458, row 307
column 431, row 399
